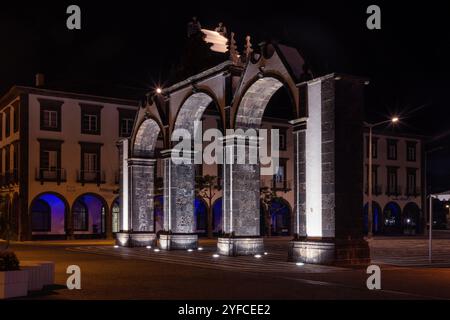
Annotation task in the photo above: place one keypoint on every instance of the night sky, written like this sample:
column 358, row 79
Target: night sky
column 126, row 48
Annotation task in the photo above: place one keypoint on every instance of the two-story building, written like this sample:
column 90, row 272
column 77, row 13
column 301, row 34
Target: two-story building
column 398, row 180
column 59, row 162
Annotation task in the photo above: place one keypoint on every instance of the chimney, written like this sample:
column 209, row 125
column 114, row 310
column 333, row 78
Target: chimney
column 40, row 80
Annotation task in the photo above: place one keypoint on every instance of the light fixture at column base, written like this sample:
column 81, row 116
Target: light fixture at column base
column 240, row 246
column 330, row 252
column 135, row 239
column 178, row 241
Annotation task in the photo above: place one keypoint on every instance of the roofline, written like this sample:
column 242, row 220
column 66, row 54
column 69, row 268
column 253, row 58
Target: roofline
column 397, row 134
column 198, row 77
column 15, row 91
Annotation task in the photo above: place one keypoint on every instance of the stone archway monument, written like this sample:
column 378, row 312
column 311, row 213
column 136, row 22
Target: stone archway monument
column 327, row 160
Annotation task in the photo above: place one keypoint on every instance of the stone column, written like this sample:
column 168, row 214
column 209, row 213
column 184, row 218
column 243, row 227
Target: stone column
column 328, row 174
column 179, row 195
column 136, row 199
column 241, row 200
column 299, row 223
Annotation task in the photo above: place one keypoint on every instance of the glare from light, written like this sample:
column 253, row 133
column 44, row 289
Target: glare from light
column 408, row 220
column 156, row 250
column 116, row 246
column 447, row 206
column 394, row 119
column 215, row 255
column 300, row 264
column 257, row 256
column 190, row 250
column 200, row 249
column 148, row 247
column 158, row 90
column 265, row 253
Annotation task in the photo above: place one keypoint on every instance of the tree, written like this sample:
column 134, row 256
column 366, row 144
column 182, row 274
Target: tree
column 205, row 187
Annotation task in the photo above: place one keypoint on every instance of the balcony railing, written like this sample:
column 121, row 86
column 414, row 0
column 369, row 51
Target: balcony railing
column 57, row 175
column 88, row 176
column 376, row 190
column 394, row 191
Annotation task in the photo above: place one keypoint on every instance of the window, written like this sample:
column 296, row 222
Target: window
column 282, row 142
column 50, row 115
column 126, row 126
column 411, row 151
column 50, row 119
column 50, row 161
column 90, row 123
column 41, row 216
column 392, row 149
column 80, row 216
column 279, row 178
column 90, row 168
column 7, row 122
column 16, row 116
column 126, row 121
column 90, row 119
column 392, row 187
column 411, row 181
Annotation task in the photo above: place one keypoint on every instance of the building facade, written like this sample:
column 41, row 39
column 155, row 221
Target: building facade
column 59, row 171
column 59, row 162
column 398, row 179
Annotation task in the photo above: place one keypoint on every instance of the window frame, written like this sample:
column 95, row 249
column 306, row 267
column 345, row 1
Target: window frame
column 53, row 106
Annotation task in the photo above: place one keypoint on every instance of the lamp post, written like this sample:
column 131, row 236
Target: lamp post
column 369, row 173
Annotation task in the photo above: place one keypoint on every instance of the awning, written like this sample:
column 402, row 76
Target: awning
column 443, row 196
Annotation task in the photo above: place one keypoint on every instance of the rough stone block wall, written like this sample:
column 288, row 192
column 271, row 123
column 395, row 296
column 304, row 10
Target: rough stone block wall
column 299, row 221
column 142, row 178
column 241, row 204
column 179, row 194
column 328, row 157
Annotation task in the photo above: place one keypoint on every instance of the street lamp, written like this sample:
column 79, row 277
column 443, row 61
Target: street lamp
column 158, row 90
column 393, row 120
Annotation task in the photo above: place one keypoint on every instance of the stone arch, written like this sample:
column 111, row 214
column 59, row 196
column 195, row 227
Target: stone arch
column 250, row 107
column 281, row 226
column 96, row 215
column 144, row 141
column 59, row 215
column 192, row 108
column 392, row 223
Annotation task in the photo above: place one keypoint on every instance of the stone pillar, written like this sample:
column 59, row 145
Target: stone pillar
column 328, row 175
column 241, row 200
column 136, row 200
column 179, row 196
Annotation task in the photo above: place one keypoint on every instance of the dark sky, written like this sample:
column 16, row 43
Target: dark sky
column 133, row 44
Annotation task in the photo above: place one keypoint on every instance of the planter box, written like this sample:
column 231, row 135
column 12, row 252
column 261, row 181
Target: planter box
column 35, row 276
column 47, row 271
column 13, row 284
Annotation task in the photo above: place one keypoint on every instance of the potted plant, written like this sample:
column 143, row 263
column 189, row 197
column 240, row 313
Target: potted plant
column 13, row 281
